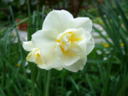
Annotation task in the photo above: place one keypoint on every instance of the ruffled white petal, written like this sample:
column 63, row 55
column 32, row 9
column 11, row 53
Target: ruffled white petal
column 71, row 56
column 90, row 45
column 77, row 66
column 47, row 48
column 87, row 44
column 59, row 20
column 82, row 22
column 50, row 60
column 28, row 46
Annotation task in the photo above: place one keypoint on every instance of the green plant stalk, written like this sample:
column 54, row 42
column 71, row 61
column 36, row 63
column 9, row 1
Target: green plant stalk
column 29, row 33
column 47, row 84
column 90, row 85
column 123, row 87
column 29, row 21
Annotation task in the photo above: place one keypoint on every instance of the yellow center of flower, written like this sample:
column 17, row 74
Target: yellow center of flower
column 66, row 39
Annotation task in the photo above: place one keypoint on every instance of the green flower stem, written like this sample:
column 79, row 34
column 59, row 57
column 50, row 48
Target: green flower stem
column 47, row 84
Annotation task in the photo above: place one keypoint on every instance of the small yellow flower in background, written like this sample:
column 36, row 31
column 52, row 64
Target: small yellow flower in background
column 17, row 65
column 105, row 45
column 122, row 44
column 63, row 42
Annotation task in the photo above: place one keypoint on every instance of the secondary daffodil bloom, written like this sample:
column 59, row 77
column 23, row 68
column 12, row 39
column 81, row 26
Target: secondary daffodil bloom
column 63, row 42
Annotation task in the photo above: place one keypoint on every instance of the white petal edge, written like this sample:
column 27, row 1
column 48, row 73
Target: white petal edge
column 57, row 19
column 82, row 22
column 87, row 44
column 79, row 65
column 28, row 46
column 90, row 46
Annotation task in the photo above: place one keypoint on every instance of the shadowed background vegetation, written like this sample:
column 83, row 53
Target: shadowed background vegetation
column 105, row 73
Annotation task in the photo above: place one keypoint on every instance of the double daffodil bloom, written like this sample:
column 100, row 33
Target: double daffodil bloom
column 63, row 42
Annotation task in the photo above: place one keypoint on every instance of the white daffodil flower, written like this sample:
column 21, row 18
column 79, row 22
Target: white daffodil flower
column 63, row 42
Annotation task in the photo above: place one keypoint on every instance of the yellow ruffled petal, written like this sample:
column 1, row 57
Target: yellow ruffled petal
column 34, row 56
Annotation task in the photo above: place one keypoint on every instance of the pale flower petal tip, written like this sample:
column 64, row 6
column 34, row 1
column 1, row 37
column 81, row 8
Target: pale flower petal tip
column 63, row 42
column 27, row 45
